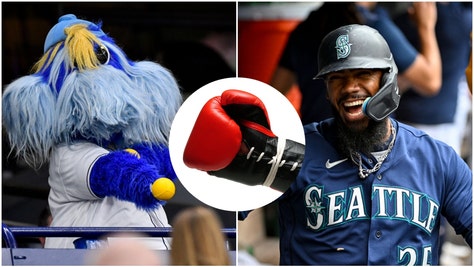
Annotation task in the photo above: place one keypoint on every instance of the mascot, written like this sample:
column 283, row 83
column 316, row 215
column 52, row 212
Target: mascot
column 102, row 123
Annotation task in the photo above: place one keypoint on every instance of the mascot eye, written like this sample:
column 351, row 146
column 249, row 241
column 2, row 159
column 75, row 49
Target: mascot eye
column 102, row 54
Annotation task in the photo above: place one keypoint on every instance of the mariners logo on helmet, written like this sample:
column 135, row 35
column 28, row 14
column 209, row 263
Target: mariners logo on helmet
column 343, row 47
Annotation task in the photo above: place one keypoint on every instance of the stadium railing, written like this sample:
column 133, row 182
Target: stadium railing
column 13, row 255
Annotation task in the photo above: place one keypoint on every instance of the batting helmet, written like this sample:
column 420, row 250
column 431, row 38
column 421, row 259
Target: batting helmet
column 362, row 47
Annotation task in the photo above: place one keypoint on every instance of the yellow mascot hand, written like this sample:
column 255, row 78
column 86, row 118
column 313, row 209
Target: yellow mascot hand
column 163, row 189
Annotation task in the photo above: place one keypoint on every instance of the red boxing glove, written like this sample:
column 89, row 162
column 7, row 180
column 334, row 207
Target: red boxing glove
column 214, row 140
column 232, row 139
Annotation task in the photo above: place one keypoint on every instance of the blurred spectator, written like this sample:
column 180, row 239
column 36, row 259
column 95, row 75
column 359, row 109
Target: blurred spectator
column 298, row 62
column 469, row 70
column 258, row 244
column 443, row 116
column 198, row 238
column 419, row 69
column 126, row 249
column 44, row 220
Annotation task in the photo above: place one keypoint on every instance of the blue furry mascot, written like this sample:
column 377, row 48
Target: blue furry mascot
column 102, row 123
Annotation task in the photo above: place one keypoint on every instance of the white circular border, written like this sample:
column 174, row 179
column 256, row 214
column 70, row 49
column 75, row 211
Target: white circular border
column 218, row 192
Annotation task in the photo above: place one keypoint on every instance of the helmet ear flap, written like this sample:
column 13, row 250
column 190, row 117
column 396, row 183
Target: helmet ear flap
column 386, row 100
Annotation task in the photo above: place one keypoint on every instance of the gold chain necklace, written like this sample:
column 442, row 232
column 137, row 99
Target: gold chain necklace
column 363, row 173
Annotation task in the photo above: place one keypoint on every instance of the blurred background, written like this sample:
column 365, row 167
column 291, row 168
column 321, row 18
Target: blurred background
column 196, row 41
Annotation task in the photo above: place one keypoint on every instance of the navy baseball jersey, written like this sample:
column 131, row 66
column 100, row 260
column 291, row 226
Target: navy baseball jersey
column 331, row 216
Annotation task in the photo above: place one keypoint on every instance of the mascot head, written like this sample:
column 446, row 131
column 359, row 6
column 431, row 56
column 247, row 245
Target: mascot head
column 85, row 88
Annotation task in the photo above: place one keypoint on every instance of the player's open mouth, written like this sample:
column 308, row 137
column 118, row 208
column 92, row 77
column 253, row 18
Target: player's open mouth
column 353, row 107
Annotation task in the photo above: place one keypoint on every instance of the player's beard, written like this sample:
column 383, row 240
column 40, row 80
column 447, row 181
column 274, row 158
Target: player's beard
column 364, row 141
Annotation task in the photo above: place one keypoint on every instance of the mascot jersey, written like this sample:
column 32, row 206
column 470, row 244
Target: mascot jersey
column 102, row 122
column 76, row 204
column 330, row 216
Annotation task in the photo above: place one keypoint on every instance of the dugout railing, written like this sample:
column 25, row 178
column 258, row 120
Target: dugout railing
column 14, row 255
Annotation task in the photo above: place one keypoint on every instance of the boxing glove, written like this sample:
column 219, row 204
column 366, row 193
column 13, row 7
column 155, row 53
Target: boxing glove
column 232, row 139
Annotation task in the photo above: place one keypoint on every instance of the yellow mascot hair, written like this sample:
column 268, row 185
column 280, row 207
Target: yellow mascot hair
column 80, row 47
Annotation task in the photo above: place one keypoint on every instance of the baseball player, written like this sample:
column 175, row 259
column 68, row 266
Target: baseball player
column 371, row 190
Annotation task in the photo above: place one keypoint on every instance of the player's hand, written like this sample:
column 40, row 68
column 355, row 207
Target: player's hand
column 424, row 14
